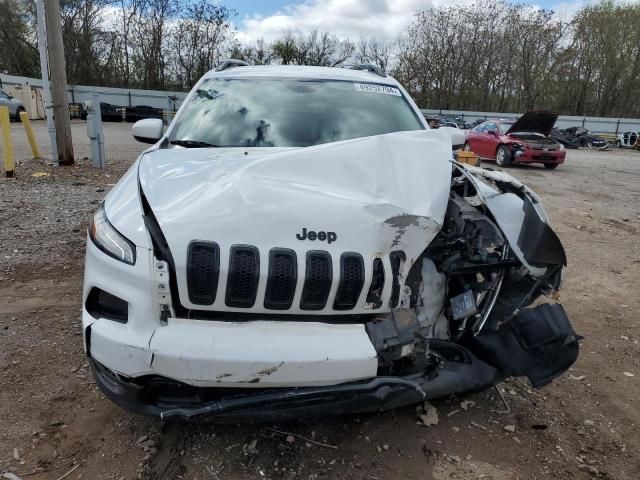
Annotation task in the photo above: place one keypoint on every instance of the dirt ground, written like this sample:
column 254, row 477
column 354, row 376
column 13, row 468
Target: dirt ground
column 53, row 419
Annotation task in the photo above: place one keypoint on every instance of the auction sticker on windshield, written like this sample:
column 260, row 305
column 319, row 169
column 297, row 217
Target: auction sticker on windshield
column 373, row 88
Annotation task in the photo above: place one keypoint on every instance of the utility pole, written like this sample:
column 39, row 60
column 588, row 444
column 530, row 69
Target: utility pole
column 46, row 86
column 57, row 67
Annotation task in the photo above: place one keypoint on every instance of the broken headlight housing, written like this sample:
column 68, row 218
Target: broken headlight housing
column 109, row 240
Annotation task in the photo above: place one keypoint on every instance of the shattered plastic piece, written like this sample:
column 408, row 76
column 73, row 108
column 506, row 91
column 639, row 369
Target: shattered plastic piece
column 430, row 417
column 10, row 476
column 40, row 174
column 628, row 374
column 466, row 404
column 477, row 425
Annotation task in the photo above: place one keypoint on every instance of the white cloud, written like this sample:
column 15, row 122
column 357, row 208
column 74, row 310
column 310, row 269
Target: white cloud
column 344, row 18
column 383, row 19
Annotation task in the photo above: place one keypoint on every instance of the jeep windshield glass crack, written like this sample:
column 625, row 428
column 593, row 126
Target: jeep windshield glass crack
column 289, row 113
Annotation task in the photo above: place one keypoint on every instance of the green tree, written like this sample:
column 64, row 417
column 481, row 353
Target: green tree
column 18, row 52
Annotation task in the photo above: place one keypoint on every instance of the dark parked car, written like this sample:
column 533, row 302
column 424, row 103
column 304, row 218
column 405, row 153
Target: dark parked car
column 527, row 140
column 110, row 113
column 561, row 136
column 133, row 114
column 585, row 138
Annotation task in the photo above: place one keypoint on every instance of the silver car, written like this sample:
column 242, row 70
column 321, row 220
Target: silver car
column 15, row 105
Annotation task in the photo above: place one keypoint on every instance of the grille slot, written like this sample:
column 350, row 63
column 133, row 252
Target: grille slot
column 242, row 281
column 351, row 281
column 374, row 296
column 281, row 284
column 397, row 259
column 317, row 282
column 203, row 270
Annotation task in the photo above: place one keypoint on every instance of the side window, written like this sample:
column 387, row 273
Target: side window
column 480, row 128
column 3, row 95
column 490, row 126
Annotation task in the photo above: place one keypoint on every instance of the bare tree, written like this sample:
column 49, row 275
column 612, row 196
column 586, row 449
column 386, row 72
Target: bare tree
column 374, row 51
column 199, row 37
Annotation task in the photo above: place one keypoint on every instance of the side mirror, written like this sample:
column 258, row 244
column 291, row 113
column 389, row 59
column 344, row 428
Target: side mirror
column 149, row 130
column 492, row 132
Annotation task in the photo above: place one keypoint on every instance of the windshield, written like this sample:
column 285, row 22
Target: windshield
column 505, row 126
column 289, row 113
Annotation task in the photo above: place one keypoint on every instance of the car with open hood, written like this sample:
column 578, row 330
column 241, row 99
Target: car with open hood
column 525, row 140
column 299, row 243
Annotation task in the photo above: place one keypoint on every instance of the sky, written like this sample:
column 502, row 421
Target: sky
column 270, row 19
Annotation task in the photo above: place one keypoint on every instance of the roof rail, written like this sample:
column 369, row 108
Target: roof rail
column 231, row 63
column 370, row 68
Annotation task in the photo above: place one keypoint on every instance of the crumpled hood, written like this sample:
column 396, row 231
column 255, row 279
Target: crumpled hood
column 375, row 194
column 538, row 122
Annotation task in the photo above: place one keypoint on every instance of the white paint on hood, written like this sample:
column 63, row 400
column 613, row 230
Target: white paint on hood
column 378, row 194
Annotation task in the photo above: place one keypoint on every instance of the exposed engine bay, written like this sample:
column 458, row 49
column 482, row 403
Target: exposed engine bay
column 469, row 295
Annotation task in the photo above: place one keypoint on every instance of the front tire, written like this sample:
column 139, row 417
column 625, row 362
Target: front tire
column 503, row 156
column 17, row 117
column 551, row 166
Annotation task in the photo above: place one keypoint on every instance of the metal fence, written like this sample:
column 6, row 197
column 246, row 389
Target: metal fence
column 122, row 97
column 596, row 124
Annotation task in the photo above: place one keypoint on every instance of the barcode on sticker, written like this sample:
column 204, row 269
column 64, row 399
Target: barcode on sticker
column 373, row 88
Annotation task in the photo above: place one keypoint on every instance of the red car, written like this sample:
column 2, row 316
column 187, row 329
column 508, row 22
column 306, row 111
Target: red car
column 525, row 140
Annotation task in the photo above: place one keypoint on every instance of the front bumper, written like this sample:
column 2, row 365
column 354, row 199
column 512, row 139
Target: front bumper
column 158, row 396
column 539, row 156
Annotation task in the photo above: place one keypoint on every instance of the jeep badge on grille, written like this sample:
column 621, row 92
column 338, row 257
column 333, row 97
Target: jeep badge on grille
column 322, row 236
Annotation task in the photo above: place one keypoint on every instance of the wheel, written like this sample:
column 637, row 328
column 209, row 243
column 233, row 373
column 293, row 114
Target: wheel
column 17, row 117
column 467, row 147
column 503, row 156
column 551, row 166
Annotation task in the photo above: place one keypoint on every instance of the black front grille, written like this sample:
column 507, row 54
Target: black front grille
column 203, row 270
column 242, row 281
column 317, row 282
column 281, row 284
column 351, row 281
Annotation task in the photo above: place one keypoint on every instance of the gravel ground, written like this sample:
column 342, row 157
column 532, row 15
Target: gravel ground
column 53, row 420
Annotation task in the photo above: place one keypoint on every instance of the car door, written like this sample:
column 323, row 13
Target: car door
column 490, row 140
column 476, row 139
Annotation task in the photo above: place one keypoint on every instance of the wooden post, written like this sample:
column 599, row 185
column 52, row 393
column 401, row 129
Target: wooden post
column 57, row 68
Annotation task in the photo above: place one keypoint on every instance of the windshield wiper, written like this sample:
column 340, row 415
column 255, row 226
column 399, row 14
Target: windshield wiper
column 192, row 144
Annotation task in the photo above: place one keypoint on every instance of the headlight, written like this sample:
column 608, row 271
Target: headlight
column 109, row 240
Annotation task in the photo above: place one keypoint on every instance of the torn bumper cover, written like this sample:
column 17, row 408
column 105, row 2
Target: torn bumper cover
column 169, row 399
column 539, row 343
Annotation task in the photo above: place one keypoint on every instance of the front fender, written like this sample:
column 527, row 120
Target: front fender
column 519, row 213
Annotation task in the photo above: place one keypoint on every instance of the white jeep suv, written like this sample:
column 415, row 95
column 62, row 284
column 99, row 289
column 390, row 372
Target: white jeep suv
column 299, row 243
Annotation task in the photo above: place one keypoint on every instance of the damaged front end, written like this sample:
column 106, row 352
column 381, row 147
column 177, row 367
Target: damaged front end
column 469, row 320
column 460, row 319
